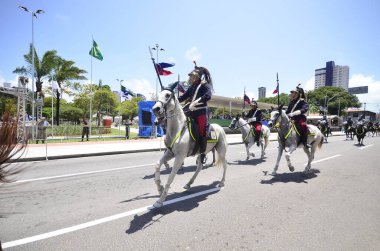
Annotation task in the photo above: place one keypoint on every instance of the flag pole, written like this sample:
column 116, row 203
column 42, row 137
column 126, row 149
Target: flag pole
column 52, row 109
column 243, row 99
column 155, row 67
column 91, row 95
column 278, row 92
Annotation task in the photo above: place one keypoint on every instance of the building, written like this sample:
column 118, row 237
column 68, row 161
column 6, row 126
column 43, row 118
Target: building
column 332, row 75
column 262, row 92
column 355, row 114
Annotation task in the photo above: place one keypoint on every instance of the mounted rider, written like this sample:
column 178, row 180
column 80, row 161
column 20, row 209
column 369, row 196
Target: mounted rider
column 196, row 97
column 297, row 109
column 350, row 122
column 254, row 118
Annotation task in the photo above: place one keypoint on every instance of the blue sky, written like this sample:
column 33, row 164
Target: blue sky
column 242, row 43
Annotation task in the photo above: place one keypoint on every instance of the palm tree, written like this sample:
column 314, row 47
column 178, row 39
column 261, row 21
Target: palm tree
column 63, row 71
column 42, row 67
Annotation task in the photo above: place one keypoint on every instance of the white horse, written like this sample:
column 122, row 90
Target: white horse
column 288, row 137
column 180, row 144
column 248, row 135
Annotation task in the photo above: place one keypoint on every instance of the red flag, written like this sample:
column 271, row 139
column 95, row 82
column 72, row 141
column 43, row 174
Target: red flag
column 162, row 71
column 276, row 90
column 246, row 99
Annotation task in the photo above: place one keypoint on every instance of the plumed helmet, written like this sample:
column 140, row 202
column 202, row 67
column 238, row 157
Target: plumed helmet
column 300, row 91
column 253, row 103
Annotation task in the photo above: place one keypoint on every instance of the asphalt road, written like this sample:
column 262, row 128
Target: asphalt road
column 102, row 203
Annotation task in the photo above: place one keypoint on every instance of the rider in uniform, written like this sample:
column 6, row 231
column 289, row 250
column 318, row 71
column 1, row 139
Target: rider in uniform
column 350, row 122
column 197, row 96
column 297, row 109
column 254, row 117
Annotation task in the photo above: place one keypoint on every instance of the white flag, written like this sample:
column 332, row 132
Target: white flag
column 55, row 86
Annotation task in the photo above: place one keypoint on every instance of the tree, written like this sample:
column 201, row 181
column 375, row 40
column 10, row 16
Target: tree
column 284, row 99
column 42, row 67
column 104, row 100
column 130, row 108
column 63, row 71
column 342, row 100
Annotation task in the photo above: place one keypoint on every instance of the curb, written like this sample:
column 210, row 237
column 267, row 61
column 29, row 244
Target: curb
column 72, row 156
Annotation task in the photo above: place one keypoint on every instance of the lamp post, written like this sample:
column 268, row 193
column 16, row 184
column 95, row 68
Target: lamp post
column 34, row 15
column 327, row 102
column 157, row 48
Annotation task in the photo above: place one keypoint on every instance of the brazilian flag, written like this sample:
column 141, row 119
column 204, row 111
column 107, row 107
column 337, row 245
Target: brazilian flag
column 95, row 51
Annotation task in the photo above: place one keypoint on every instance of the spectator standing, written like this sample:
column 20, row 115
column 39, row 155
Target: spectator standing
column 85, row 129
column 41, row 133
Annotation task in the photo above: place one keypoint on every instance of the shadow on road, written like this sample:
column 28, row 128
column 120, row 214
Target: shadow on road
column 140, row 222
column 182, row 170
column 297, row 177
column 250, row 162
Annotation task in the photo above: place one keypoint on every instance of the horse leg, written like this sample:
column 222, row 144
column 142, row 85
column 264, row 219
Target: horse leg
column 287, row 157
column 310, row 157
column 166, row 157
column 164, row 194
column 280, row 150
column 199, row 168
column 262, row 148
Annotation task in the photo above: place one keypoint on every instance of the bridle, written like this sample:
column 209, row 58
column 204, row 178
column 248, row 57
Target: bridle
column 163, row 105
column 237, row 127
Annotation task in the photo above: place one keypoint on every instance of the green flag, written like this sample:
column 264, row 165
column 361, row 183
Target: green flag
column 95, row 51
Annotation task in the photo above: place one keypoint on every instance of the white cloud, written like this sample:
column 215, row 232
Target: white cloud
column 309, row 86
column 193, row 54
column 372, row 98
column 141, row 86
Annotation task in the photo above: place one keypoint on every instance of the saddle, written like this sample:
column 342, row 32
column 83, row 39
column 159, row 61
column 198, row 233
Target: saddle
column 211, row 135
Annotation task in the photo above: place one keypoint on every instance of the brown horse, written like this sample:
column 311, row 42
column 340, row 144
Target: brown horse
column 9, row 146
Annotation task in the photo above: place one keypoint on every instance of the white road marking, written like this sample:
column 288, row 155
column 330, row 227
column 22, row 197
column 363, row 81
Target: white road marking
column 317, row 161
column 82, row 173
column 364, row 147
column 100, row 221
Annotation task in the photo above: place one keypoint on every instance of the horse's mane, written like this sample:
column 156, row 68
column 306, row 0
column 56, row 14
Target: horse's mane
column 9, row 146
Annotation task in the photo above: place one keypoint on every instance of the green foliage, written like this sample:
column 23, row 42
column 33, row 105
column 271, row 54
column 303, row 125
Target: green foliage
column 129, row 108
column 71, row 113
column 339, row 99
column 8, row 103
column 284, row 99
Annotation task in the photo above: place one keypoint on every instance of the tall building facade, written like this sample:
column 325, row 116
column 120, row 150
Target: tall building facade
column 332, row 75
column 262, row 92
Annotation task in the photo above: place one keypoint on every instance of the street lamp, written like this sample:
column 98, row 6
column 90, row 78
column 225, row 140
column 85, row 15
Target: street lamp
column 157, row 48
column 327, row 101
column 34, row 15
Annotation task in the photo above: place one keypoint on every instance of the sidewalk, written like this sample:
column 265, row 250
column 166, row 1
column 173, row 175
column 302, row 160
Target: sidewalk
column 51, row 151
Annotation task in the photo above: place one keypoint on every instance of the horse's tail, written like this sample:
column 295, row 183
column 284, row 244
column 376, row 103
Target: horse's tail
column 321, row 142
column 221, row 147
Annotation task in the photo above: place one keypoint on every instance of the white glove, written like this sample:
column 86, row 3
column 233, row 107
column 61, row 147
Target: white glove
column 298, row 112
column 194, row 103
column 251, row 120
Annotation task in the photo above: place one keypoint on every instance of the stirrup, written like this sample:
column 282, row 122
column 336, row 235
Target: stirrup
column 203, row 158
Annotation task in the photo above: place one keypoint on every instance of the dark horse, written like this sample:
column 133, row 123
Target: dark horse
column 360, row 132
column 10, row 146
column 348, row 130
column 325, row 129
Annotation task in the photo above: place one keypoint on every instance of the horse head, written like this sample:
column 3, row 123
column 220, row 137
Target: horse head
column 276, row 116
column 233, row 123
column 165, row 102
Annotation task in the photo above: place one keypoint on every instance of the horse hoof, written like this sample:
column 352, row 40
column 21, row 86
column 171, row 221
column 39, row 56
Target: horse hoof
column 167, row 166
column 291, row 168
column 158, row 204
column 221, row 184
column 186, row 187
column 274, row 173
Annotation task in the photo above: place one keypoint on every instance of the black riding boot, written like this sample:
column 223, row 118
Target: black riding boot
column 304, row 139
column 257, row 139
column 202, row 149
